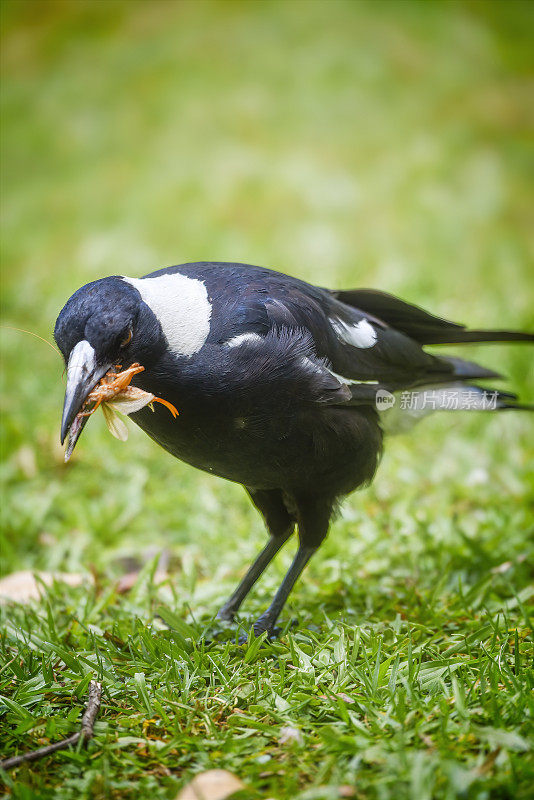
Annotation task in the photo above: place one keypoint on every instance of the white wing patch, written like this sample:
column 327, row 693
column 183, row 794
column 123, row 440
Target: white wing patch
column 243, row 338
column 181, row 306
column 313, row 366
column 351, row 381
column 362, row 334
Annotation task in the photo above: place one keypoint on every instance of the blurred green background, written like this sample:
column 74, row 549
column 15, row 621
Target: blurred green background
column 383, row 144
column 350, row 143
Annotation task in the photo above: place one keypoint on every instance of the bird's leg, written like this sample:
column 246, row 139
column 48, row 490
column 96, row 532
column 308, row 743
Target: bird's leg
column 280, row 525
column 268, row 619
column 313, row 516
column 230, row 608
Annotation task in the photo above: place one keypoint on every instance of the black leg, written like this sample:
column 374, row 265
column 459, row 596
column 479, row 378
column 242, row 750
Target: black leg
column 313, row 516
column 268, row 619
column 265, row 557
column 280, row 525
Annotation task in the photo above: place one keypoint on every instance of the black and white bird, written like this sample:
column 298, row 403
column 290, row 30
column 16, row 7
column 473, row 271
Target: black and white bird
column 278, row 384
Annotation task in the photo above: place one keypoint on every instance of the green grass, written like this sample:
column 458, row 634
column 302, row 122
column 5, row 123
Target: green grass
column 371, row 144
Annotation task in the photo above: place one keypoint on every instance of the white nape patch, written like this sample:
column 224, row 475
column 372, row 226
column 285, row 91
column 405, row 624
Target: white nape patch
column 243, row 338
column 362, row 334
column 181, row 306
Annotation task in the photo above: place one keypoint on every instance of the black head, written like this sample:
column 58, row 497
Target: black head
column 103, row 324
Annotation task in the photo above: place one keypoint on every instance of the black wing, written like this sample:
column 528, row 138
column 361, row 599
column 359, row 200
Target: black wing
column 375, row 346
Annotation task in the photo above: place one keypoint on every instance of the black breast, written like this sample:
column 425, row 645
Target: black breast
column 258, row 415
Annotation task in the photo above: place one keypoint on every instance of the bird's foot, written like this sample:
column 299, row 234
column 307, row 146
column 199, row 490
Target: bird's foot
column 262, row 626
column 273, row 633
column 225, row 615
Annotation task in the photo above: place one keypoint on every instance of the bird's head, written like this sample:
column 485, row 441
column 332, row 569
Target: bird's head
column 104, row 323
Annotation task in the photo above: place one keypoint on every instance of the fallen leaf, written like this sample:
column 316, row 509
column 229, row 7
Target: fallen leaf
column 22, row 586
column 342, row 696
column 504, row 567
column 128, row 581
column 215, row 784
column 289, row 735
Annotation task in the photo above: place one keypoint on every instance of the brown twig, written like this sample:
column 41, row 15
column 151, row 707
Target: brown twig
column 86, row 732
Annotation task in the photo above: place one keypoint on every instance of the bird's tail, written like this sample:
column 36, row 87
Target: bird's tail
column 419, row 324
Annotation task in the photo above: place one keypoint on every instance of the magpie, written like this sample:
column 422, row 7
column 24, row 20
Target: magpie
column 278, row 384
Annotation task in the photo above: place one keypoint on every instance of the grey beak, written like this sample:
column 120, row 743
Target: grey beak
column 82, row 376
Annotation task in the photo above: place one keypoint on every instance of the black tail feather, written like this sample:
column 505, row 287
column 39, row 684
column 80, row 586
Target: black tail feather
column 469, row 370
column 468, row 336
column 420, row 325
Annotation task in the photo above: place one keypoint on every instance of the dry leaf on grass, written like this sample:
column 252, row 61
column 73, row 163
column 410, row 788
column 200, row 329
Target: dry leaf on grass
column 290, row 735
column 22, row 586
column 215, row 784
column 128, row 581
column 133, row 568
column 342, row 696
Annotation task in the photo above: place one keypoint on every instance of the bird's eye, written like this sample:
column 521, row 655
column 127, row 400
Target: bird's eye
column 127, row 339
